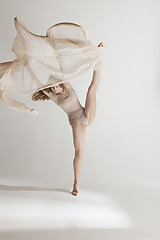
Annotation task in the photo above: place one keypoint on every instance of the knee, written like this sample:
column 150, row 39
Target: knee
column 79, row 153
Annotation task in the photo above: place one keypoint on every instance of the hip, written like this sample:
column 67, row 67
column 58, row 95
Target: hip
column 79, row 117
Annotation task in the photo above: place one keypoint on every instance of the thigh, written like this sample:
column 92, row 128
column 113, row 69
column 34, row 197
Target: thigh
column 90, row 105
column 78, row 130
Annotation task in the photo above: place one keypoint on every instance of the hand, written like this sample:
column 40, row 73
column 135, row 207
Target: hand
column 34, row 112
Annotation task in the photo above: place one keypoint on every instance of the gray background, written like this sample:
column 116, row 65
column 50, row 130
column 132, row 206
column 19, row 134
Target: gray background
column 122, row 145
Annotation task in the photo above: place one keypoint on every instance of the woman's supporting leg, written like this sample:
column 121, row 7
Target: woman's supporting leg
column 90, row 105
column 78, row 140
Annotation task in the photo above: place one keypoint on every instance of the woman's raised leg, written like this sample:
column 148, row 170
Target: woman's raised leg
column 90, row 104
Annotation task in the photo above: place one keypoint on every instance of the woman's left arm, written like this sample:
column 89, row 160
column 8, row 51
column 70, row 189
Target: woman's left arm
column 46, row 92
column 51, row 95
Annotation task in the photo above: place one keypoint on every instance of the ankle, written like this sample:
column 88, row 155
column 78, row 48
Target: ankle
column 97, row 66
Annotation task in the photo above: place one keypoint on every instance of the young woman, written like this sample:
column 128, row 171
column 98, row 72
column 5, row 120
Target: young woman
column 79, row 117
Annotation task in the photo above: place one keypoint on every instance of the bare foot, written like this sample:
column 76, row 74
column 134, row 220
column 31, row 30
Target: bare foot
column 100, row 45
column 75, row 189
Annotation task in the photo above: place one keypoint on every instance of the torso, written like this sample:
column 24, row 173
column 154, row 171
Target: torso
column 72, row 107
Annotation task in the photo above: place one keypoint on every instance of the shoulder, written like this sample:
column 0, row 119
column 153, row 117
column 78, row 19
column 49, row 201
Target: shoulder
column 67, row 85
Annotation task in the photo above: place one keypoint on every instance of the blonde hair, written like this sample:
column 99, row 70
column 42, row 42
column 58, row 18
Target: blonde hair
column 39, row 95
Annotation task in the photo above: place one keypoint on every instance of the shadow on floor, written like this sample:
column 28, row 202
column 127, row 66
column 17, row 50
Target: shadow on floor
column 30, row 188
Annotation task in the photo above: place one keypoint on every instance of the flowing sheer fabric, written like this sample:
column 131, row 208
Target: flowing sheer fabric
column 43, row 61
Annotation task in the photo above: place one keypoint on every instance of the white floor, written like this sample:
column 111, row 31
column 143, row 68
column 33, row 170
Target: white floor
column 121, row 213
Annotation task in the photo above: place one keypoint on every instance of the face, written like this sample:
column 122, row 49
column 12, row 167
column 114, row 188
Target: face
column 56, row 89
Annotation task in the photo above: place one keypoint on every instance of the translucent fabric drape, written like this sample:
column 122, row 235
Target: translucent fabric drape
column 43, row 61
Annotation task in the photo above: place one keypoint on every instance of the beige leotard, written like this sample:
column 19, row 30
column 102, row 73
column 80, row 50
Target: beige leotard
column 72, row 107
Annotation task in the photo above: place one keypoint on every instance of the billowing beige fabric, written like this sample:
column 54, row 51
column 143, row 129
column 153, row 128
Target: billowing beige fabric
column 43, row 61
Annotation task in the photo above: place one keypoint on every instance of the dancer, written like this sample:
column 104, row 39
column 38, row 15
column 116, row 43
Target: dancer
column 44, row 66
column 79, row 117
